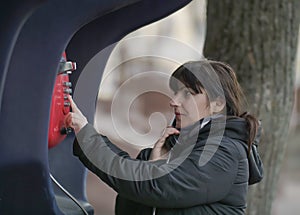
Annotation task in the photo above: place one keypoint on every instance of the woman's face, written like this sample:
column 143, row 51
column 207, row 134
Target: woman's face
column 188, row 106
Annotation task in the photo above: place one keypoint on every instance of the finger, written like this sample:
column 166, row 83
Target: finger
column 169, row 131
column 172, row 130
column 71, row 120
column 73, row 105
column 68, row 120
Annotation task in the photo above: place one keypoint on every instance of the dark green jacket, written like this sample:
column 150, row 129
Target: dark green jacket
column 206, row 173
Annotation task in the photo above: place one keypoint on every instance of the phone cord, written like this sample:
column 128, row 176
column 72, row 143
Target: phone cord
column 68, row 194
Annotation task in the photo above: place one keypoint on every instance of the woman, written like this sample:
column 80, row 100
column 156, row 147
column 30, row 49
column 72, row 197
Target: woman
column 209, row 168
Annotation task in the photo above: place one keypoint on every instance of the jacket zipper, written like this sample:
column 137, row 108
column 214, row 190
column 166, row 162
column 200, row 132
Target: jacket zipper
column 154, row 211
column 205, row 121
column 169, row 156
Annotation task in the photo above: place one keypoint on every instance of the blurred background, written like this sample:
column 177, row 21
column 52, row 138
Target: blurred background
column 133, row 104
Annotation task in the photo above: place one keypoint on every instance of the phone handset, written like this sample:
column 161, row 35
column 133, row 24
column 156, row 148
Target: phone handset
column 172, row 139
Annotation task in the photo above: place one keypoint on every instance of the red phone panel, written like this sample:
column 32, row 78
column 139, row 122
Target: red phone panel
column 60, row 106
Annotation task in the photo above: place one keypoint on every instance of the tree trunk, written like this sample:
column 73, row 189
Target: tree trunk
column 258, row 39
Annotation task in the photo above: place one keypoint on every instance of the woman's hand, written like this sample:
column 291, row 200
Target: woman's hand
column 159, row 150
column 75, row 119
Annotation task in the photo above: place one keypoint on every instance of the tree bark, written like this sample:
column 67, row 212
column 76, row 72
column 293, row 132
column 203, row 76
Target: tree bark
column 258, row 39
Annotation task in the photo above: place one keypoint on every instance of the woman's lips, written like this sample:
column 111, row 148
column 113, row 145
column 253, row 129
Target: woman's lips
column 178, row 115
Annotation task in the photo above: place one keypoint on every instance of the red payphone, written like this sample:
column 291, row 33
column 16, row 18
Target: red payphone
column 60, row 106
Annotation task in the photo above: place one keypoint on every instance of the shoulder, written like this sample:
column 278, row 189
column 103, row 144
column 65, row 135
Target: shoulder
column 236, row 146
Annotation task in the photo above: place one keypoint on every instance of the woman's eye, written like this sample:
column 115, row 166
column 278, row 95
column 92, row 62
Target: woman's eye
column 187, row 93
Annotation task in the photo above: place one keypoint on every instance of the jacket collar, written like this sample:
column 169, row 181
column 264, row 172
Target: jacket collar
column 216, row 125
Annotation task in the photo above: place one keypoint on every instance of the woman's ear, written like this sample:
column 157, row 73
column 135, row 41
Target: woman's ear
column 217, row 105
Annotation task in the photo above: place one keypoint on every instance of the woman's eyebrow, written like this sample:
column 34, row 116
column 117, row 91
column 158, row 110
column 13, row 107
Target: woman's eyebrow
column 187, row 88
column 190, row 89
column 181, row 88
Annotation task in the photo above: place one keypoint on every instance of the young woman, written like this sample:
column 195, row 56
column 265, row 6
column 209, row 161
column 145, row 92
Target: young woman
column 202, row 165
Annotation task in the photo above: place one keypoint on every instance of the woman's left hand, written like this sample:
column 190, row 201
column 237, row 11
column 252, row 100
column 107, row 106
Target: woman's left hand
column 75, row 119
column 159, row 150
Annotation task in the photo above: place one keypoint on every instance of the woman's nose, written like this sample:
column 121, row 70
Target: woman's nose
column 174, row 102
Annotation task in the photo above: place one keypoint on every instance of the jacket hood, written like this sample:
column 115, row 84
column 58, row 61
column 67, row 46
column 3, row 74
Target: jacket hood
column 234, row 128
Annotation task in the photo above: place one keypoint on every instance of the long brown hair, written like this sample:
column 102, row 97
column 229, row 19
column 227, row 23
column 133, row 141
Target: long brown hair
column 219, row 80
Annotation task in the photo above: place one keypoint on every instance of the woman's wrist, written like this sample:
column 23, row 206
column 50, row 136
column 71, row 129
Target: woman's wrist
column 157, row 154
column 80, row 126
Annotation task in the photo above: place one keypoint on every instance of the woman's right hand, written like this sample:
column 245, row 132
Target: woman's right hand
column 75, row 119
column 160, row 151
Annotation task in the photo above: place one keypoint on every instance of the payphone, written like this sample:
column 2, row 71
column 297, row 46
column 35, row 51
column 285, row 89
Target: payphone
column 60, row 106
